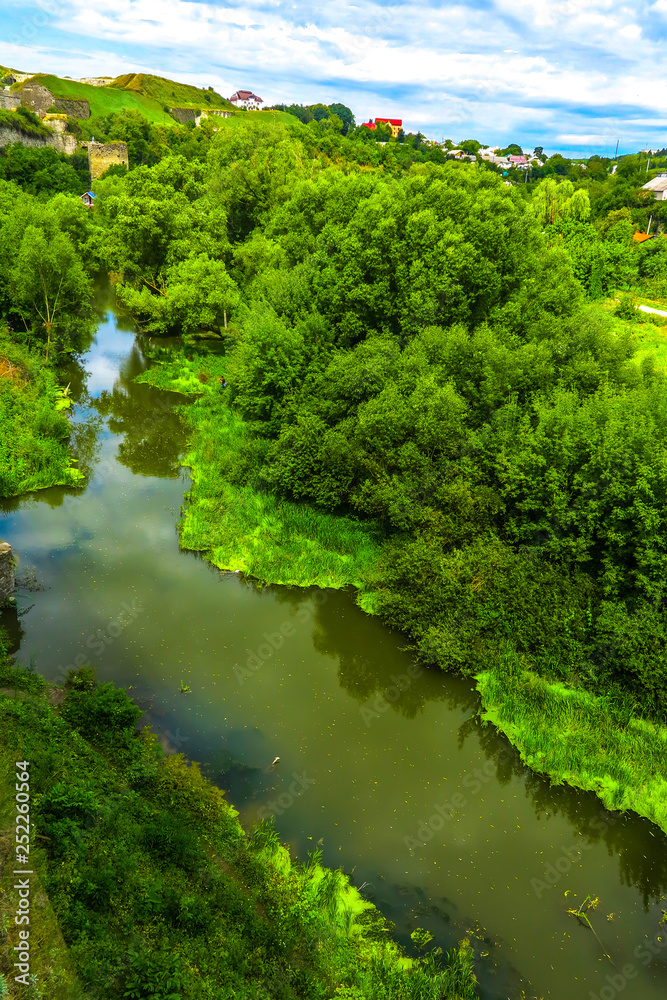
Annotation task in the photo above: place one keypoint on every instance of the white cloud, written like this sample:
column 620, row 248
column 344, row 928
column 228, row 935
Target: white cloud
column 518, row 64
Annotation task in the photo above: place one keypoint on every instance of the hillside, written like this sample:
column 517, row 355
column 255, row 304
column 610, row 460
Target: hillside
column 176, row 95
column 103, row 100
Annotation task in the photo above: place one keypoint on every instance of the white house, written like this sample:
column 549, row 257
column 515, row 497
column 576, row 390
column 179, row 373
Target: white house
column 658, row 186
column 246, row 99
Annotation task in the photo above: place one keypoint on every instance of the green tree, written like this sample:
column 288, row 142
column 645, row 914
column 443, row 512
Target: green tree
column 553, row 199
column 195, row 294
column 48, row 281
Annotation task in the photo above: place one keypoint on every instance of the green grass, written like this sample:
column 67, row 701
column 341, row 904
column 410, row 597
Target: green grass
column 649, row 337
column 575, row 737
column 105, row 100
column 255, row 532
column 50, row 959
column 189, row 377
column 170, row 92
column 260, row 118
column 20, row 123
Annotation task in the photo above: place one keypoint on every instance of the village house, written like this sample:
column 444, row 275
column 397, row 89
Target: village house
column 658, row 187
column 395, row 124
column 87, row 198
column 247, row 100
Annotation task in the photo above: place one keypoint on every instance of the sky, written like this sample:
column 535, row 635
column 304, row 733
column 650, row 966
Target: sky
column 574, row 76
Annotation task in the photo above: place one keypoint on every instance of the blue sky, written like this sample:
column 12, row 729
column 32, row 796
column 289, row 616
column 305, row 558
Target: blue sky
column 570, row 75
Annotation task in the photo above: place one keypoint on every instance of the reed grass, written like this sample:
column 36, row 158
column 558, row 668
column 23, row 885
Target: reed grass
column 579, row 738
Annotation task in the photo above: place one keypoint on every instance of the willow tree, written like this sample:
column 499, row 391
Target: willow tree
column 559, row 200
column 47, row 281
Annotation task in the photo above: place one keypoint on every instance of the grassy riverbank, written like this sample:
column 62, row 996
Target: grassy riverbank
column 34, row 432
column 591, row 743
column 240, row 527
column 146, row 884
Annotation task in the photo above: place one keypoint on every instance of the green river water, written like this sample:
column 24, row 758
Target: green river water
column 390, row 773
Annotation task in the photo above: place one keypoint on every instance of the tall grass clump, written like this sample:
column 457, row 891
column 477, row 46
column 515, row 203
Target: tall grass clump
column 591, row 742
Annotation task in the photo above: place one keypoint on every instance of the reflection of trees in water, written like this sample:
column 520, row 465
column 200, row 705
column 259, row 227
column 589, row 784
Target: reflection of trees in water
column 640, row 846
column 153, row 432
column 10, row 625
column 341, row 631
column 85, row 443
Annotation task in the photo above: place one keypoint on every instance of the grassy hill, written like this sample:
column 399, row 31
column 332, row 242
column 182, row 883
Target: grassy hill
column 176, row 95
column 137, row 92
column 103, row 100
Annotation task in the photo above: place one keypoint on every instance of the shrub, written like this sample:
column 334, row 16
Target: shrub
column 102, row 714
column 626, row 308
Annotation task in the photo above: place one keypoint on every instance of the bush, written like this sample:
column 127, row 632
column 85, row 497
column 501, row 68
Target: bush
column 626, row 309
column 103, row 714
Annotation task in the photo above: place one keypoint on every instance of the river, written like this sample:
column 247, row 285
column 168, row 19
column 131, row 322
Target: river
column 430, row 811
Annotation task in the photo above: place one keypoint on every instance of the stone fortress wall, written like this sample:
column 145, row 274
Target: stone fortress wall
column 9, row 101
column 39, row 99
column 183, row 115
column 102, row 155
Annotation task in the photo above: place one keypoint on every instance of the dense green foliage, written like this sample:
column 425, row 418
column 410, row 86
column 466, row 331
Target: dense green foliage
column 424, row 400
column 43, row 170
column 417, row 352
column 158, row 891
column 45, row 264
column 34, row 432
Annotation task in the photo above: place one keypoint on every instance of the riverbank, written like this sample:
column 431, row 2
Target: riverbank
column 34, row 432
column 144, row 869
column 571, row 735
column 243, row 529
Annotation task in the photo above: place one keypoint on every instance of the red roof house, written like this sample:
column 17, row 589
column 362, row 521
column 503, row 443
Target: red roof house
column 246, row 99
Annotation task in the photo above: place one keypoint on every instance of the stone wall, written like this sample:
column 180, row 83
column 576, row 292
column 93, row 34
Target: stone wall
column 36, row 97
column 39, row 99
column 104, row 155
column 75, row 109
column 63, row 142
column 97, row 81
column 8, row 101
column 6, row 572
column 183, row 115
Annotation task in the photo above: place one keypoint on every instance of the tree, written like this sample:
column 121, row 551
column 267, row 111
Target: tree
column 197, row 294
column 345, row 116
column 553, row 200
column 48, row 280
